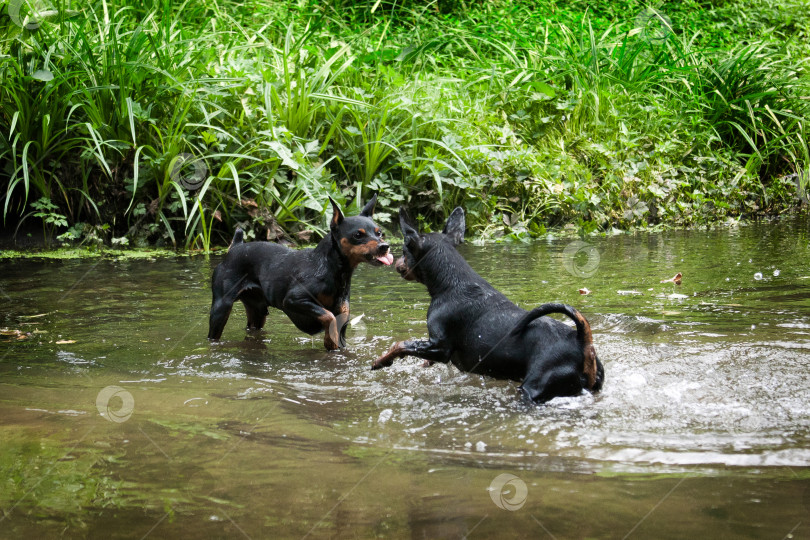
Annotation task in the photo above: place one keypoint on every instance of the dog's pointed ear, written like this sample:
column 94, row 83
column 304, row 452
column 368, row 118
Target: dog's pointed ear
column 368, row 209
column 337, row 215
column 455, row 226
column 409, row 232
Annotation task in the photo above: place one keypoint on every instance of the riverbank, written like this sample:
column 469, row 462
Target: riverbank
column 154, row 124
column 33, row 244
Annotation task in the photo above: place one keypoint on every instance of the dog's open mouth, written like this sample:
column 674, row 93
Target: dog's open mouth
column 386, row 259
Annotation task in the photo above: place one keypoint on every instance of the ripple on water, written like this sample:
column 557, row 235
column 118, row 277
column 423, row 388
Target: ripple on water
column 715, row 377
column 685, row 401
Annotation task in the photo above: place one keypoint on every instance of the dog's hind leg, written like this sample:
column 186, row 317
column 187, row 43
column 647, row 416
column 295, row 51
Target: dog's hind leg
column 224, row 293
column 255, row 307
column 256, row 316
column 220, row 311
column 555, row 382
column 342, row 321
column 591, row 364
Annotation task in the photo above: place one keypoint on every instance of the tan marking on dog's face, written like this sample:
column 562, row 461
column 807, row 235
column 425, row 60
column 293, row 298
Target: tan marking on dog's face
column 357, row 253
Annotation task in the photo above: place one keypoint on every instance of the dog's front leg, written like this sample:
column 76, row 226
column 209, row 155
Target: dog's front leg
column 306, row 309
column 331, row 338
column 428, row 349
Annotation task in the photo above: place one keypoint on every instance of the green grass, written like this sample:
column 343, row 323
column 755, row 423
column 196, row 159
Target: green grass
column 170, row 123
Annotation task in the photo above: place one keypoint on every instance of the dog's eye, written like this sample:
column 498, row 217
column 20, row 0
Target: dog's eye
column 382, row 235
column 358, row 235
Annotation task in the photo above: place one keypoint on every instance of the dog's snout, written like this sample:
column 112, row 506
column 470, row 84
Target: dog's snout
column 401, row 266
column 404, row 270
column 383, row 248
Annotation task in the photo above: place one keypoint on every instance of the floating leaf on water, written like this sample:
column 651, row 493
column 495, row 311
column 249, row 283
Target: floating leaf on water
column 676, row 279
column 584, row 291
column 32, row 316
column 13, row 333
column 65, row 341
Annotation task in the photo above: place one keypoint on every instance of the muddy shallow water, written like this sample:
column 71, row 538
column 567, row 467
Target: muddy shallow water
column 119, row 419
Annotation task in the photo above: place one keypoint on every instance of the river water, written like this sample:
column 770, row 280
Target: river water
column 119, row 419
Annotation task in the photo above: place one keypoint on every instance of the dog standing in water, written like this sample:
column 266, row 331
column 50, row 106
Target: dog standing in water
column 479, row 330
column 310, row 285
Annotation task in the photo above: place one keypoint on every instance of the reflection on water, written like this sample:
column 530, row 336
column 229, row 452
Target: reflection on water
column 704, row 410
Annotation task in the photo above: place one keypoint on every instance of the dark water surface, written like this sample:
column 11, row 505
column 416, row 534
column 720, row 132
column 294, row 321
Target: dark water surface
column 702, row 430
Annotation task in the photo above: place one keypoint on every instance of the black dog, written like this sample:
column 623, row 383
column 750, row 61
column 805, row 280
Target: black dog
column 479, row 330
column 311, row 286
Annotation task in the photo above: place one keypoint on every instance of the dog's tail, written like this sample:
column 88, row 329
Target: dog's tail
column 583, row 334
column 238, row 238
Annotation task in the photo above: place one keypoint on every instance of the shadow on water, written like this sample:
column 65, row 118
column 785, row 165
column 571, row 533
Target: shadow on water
column 118, row 418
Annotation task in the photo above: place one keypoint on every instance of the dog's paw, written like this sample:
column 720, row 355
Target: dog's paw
column 388, row 358
column 381, row 362
column 330, row 344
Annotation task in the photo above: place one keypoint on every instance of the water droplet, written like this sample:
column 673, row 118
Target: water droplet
column 758, row 276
